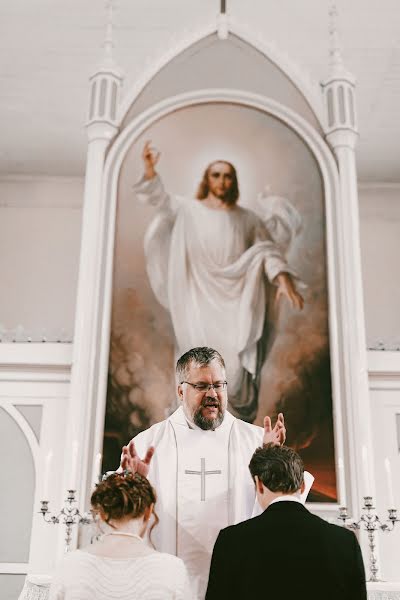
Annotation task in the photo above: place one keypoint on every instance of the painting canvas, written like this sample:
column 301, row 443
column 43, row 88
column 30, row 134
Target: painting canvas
column 283, row 363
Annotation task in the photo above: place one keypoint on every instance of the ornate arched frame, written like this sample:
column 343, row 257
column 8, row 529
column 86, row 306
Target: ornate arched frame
column 308, row 88
column 330, row 177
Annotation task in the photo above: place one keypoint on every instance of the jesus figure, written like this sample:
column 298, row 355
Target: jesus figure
column 213, row 265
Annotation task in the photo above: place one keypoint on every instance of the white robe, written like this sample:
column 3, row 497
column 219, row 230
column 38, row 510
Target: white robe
column 191, row 516
column 211, row 270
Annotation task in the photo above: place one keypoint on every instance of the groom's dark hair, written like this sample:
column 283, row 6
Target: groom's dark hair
column 279, row 468
column 200, row 357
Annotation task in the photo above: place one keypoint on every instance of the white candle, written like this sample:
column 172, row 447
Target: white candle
column 96, row 468
column 366, row 482
column 341, row 482
column 46, row 475
column 74, row 465
column 389, row 482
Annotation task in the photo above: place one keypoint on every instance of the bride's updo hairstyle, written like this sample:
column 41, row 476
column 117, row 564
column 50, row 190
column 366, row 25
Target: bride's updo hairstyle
column 123, row 495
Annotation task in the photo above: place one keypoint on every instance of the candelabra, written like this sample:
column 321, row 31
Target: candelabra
column 69, row 515
column 372, row 523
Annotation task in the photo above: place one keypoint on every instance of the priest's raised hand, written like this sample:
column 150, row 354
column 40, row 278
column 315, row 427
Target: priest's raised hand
column 277, row 435
column 130, row 460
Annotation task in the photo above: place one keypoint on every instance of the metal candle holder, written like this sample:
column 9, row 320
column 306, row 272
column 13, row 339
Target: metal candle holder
column 371, row 521
column 69, row 515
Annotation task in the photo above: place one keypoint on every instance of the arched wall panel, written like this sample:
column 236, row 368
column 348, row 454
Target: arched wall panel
column 211, row 63
column 18, row 479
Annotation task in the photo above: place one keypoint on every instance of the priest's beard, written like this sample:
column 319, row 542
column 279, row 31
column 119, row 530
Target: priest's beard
column 204, row 422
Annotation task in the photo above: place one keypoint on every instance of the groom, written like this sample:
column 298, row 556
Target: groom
column 286, row 553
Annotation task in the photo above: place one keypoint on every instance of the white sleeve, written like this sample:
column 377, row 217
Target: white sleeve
column 274, row 263
column 275, row 260
column 151, row 191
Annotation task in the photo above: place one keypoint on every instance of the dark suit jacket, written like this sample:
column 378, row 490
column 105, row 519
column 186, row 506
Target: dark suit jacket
column 286, row 553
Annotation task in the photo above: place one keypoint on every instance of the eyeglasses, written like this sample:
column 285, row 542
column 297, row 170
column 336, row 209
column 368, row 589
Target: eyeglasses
column 205, row 387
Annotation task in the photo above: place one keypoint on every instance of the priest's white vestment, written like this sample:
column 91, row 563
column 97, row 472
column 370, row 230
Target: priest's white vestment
column 211, row 269
column 203, row 484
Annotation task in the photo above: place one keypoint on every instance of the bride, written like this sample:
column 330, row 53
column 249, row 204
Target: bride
column 121, row 565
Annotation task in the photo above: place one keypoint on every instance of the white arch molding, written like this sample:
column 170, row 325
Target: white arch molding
column 329, row 174
column 300, row 77
column 10, row 407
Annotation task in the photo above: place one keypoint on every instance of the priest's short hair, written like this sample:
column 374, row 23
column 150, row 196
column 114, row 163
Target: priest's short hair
column 279, row 468
column 199, row 357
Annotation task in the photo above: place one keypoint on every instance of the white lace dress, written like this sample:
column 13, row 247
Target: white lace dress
column 154, row 576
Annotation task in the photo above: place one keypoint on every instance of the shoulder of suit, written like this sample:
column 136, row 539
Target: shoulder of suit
column 242, row 528
column 342, row 533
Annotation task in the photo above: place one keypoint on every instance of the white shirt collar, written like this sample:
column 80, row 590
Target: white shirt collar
column 286, row 498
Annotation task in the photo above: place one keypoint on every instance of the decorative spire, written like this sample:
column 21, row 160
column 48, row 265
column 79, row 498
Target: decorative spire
column 108, row 40
column 339, row 91
column 222, row 21
column 105, row 84
column 335, row 53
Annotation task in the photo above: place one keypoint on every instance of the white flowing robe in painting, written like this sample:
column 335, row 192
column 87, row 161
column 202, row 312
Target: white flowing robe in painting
column 203, row 484
column 211, row 269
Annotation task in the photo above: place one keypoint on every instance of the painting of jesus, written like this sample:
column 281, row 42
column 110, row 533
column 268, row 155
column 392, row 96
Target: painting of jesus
column 223, row 246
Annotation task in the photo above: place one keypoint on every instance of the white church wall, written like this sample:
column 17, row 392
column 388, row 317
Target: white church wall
column 380, row 249
column 384, row 383
column 40, row 222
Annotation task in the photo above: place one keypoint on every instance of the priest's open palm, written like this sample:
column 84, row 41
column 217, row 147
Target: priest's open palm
column 130, row 460
column 276, row 435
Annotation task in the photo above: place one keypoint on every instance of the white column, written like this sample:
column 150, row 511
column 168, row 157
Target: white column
column 357, row 409
column 80, row 426
column 342, row 135
column 81, row 411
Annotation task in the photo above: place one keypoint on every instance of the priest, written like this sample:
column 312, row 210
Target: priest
column 200, row 464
